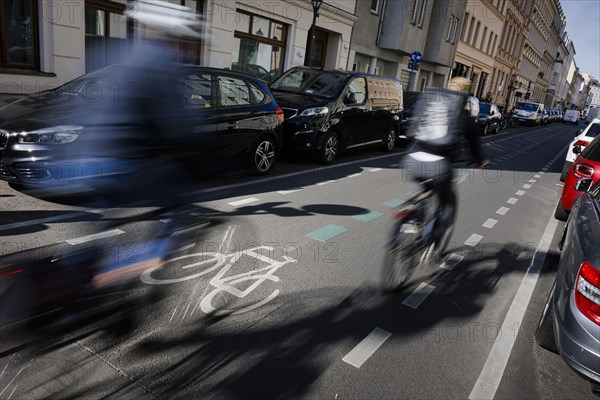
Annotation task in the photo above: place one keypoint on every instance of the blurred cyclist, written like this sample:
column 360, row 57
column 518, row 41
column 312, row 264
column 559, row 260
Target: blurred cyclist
column 444, row 119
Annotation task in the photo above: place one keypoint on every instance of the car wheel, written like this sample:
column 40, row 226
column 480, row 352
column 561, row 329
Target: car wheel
column 497, row 129
column 263, row 155
column 485, row 130
column 330, row 148
column 544, row 334
column 565, row 171
column 390, row 141
column 560, row 213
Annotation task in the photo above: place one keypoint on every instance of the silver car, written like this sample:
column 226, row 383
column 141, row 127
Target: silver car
column 570, row 323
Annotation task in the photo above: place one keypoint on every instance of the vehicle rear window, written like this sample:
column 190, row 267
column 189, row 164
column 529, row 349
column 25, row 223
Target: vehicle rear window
column 593, row 131
column 592, row 151
column 527, row 106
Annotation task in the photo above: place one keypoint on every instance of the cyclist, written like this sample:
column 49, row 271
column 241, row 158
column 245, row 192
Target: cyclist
column 444, row 118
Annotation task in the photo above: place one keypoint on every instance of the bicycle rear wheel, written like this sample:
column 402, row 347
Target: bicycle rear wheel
column 399, row 260
column 435, row 251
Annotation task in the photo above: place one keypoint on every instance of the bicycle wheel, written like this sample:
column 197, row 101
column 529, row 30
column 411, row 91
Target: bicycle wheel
column 399, row 259
column 503, row 123
column 436, row 249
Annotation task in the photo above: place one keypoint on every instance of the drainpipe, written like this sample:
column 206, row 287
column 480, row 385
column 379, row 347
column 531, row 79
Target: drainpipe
column 379, row 26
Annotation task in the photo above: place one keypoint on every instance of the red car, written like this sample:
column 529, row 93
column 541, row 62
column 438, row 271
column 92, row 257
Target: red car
column 586, row 165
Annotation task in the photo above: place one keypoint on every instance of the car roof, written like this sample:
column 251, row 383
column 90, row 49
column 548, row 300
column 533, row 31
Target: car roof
column 346, row 72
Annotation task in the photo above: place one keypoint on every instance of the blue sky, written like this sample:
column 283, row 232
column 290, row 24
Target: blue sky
column 583, row 26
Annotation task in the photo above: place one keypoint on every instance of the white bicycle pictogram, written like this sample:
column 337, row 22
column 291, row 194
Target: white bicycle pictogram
column 226, row 284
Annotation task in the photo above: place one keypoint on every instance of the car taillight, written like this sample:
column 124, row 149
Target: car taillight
column 587, row 292
column 583, row 171
column 582, row 143
column 4, row 272
column 279, row 113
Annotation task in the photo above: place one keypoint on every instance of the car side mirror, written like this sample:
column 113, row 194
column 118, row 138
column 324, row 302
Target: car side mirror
column 351, row 98
column 583, row 184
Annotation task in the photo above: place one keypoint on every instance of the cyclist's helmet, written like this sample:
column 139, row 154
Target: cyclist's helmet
column 161, row 18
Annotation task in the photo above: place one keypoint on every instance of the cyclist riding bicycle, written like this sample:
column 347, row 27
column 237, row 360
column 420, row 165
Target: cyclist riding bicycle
column 444, row 119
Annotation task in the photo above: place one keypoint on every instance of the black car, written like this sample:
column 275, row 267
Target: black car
column 331, row 111
column 410, row 99
column 570, row 323
column 85, row 129
column 489, row 118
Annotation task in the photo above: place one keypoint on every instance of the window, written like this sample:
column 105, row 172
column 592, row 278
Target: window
column 19, row 38
column 452, row 27
column 375, row 6
column 233, row 92
column 464, row 28
column 482, row 43
column 358, row 86
column 418, row 14
column 259, row 46
column 476, row 35
column 471, row 27
column 197, row 91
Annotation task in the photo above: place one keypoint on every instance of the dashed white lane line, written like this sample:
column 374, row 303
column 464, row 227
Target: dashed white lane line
column 527, row 186
column 532, row 181
column 491, row 375
column 537, row 176
column 512, row 200
column 490, row 223
column 502, row 210
column 545, row 169
column 165, row 221
column 473, row 240
column 375, row 169
column 419, row 295
column 354, row 175
column 325, row 183
column 243, row 201
column 95, row 236
column 288, row 191
column 365, row 349
column 520, row 192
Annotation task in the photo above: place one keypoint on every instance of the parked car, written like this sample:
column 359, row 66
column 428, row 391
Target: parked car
column 583, row 137
column 489, row 118
column 586, row 165
column 570, row 322
column 528, row 113
column 64, row 137
column 331, row 111
column 594, row 112
column 546, row 119
column 572, row 117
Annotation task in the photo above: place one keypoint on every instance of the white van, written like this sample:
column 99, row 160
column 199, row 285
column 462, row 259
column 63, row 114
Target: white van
column 571, row 116
column 529, row 113
column 594, row 112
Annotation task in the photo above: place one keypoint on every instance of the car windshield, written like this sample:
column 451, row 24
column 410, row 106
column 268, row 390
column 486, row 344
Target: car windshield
column 484, row 108
column 527, row 106
column 98, row 80
column 311, row 82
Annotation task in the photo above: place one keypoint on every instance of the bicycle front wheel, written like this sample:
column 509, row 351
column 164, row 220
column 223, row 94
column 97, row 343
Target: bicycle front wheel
column 399, row 259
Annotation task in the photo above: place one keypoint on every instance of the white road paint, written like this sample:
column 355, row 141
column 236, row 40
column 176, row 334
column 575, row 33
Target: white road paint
column 545, row 169
column 375, row 169
column 493, row 370
column 502, row 210
column 419, row 295
column 325, row 183
column 95, row 236
column 473, row 240
column 512, row 200
column 490, row 223
column 560, row 185
column 520, row 192
column 532, row 181
column 243, row 201
column 288, row 191
column 357, row 174
column 537, row 176
column 527, row 186
column 365, row 349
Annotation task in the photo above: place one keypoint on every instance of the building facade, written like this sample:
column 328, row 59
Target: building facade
column 50, row 42
column 390, row 31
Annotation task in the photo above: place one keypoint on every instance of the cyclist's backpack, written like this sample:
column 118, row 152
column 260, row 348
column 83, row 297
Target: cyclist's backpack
column 439, row 119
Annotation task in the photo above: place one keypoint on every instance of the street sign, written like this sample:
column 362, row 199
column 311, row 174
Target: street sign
column 413, row 66
column 416, row 57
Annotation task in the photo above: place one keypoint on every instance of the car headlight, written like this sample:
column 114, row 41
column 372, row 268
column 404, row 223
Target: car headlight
column 63, row 134
column 317, row 111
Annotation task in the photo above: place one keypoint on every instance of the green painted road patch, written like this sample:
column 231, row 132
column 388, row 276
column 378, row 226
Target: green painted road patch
column 394, row 203
column 327, row 232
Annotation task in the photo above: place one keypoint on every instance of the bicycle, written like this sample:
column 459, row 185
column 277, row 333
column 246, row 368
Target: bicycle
column 412, row 240
column 507, row 121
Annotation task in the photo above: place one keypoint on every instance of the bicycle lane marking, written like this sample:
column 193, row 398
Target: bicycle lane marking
column 491, row 375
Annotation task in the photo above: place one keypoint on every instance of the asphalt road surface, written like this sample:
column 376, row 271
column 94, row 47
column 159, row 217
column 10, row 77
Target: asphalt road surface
column 287, row 303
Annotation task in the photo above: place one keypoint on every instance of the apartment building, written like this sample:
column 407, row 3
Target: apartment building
column 593, row 96
column 390, row 31
column 478, row 46
column 50, row 42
